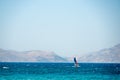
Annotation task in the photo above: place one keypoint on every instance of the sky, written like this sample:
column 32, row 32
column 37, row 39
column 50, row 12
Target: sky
column 67, row 27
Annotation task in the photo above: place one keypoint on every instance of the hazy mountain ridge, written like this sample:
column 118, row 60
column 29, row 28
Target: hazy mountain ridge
column 29, row 56
column 104, row 55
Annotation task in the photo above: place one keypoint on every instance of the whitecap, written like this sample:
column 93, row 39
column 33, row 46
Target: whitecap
column 4, row 67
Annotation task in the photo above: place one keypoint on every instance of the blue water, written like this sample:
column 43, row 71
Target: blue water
column 59, row 71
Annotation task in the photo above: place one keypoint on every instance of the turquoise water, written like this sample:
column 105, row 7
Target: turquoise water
column 59, row 71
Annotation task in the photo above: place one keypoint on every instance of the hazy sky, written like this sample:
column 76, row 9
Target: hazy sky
column 67, row 27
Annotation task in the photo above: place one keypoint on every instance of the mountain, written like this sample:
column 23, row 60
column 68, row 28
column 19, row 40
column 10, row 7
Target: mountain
column 29, row 56
column 110, row 55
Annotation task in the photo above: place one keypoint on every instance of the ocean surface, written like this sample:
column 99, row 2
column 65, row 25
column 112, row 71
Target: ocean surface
column 59, row 71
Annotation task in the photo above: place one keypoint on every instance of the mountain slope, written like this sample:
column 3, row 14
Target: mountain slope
column 105, row 55
column 110, row 55
column 29, row 56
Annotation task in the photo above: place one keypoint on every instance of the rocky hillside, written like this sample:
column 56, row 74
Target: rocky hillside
column 29, row 56
column 110, row 55
column 106, row 55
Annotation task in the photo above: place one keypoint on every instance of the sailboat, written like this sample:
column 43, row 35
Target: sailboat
column 76, row 63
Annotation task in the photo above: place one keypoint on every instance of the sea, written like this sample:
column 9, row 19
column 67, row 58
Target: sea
column 59, row 71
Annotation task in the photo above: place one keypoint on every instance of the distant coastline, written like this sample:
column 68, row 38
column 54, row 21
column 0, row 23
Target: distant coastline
column 110, row 55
